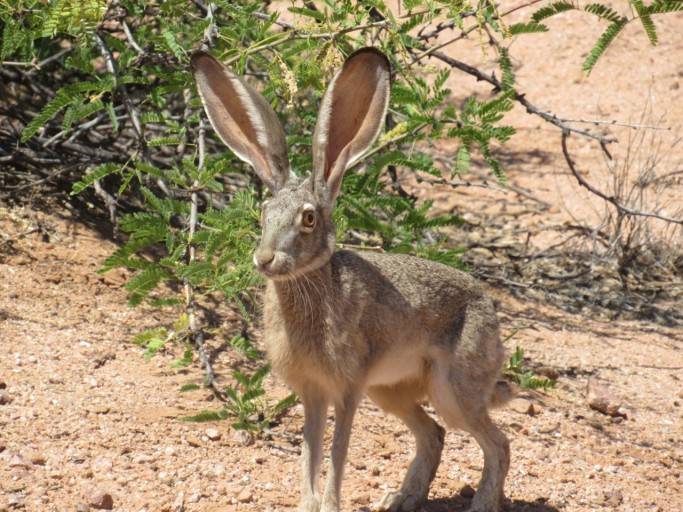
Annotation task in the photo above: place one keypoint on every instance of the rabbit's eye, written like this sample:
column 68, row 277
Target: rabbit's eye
column 308, row 219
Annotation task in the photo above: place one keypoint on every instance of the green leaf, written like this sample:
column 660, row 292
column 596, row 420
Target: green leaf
column 664, row 6
column 172, row 44
column 646, row 21
column 59, row 102
column 551, row 10
column 526, row 28
column 602, row 44
column 189, row 387
column 604, row 12
column 184, row 361
column 204, row 416
column 95, row 174
column 143, row 283
column 462, row 160
column 508, row 79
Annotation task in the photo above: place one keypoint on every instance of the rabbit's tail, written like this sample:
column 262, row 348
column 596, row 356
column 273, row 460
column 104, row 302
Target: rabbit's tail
column 503, row 392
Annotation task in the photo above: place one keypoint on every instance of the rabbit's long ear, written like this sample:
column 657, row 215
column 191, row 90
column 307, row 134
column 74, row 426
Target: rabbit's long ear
column 351, row 116
column 243, row 119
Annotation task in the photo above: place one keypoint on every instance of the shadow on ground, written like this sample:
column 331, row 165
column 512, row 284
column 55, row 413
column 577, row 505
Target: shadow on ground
column 460, row 504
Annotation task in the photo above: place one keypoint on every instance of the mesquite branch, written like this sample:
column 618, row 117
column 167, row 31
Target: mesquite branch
column 610, row 199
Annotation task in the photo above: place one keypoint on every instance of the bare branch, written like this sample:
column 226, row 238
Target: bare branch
column 130, row 108
column 610, row 199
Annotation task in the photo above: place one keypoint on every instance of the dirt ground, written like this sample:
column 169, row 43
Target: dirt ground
column 83, row 413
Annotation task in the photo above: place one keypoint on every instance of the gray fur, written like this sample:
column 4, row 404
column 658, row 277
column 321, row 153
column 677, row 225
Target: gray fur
column 399, row 329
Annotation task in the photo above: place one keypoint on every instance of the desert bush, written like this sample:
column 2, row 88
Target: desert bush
column 100, row 91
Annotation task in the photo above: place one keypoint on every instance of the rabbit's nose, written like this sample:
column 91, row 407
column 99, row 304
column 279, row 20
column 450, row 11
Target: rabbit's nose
column 263, row 256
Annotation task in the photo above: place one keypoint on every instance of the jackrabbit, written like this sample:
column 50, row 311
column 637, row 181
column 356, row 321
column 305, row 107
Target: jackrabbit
column 341, row 325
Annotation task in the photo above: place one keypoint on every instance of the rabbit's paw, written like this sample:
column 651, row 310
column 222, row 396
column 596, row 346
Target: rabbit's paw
column 484, row 506
column 399, row 501
column 310, row 504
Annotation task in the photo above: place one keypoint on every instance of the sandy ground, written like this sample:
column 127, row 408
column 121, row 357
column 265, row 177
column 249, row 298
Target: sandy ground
column 84, row 413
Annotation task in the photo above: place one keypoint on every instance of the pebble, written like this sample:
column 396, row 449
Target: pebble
column 193, row 441
column 4, row 398
column 213, row 434
column 15, row 500
column 38, row 459
column 102, row 465
column 546, row 429
column 374, row 471
column 467, row 491
column 522, row 406
column 101, row 500
column 600, row 399
column 613, row 499
column 243, row 438
column 245, row 496
column 17, row 461
column 3, row 384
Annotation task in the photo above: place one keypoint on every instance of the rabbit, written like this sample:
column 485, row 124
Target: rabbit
column 339, row 325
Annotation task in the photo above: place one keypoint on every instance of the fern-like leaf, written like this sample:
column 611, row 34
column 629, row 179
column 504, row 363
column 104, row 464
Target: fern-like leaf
column 604, row 12
column 526, row 28
column 58, row 103
column 664, row 6
column 602, row 44
column 551, row 10
column 91, row 177
column 646, row 21
column 508, row 79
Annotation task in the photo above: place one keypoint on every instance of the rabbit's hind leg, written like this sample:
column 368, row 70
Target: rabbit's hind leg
column 402, row 401
column 450, row 392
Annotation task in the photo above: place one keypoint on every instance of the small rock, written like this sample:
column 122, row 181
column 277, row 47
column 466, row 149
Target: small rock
column 374, row 471
column 3, row 384
column 245, row 496
column 243, row 438
column 547, row 429
column 4, row 398
column 82, row 507
column 613, row 499
column 17, row 461
column 467, row 491
column 259, row 460
column 213, row 434
column 99, row 409
column 38, row 459
column 102, row 465
column 522, row 406
column 193, row 441
column 101, row 500
column 100, row 359
column 15, row 500
column 600, row 399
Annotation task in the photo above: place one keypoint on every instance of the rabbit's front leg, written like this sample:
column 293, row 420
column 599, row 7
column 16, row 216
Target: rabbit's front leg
column 315, row 410
column 343, row 420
